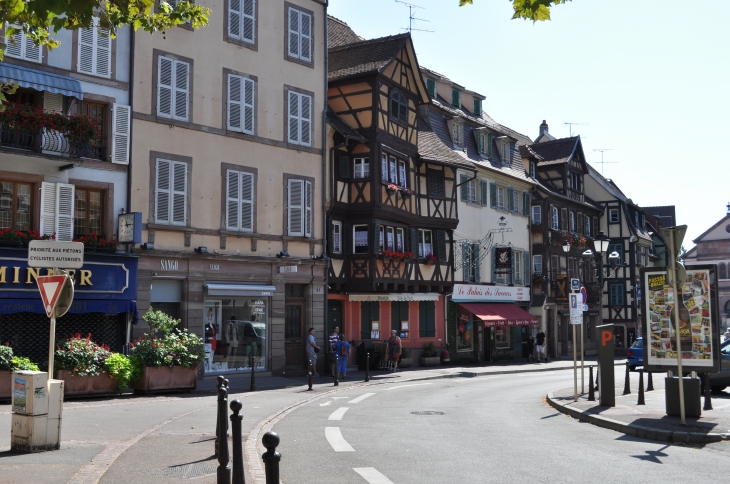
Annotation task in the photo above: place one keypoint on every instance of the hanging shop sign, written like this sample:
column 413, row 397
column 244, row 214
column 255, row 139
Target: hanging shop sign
column 503, row 260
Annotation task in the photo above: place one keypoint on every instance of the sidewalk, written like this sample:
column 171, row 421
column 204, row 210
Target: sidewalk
column 647, row 421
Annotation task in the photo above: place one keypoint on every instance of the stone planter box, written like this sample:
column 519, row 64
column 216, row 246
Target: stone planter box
column 87, row 386
column 165, row 379
column 5, row 386
column 431, row 361
column 405, row 363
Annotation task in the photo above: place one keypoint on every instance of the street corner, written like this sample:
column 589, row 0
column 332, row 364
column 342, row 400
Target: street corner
column 51, row 467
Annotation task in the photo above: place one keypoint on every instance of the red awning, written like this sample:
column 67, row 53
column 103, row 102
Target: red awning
column 500, row 314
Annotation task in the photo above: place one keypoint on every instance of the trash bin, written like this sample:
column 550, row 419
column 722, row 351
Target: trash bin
column 692, row 405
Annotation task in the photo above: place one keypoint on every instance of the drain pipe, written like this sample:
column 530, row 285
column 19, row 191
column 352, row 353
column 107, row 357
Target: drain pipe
column 324, row 168
column 130, row 316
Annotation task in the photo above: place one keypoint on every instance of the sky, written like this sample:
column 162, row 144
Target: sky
column 647, row 79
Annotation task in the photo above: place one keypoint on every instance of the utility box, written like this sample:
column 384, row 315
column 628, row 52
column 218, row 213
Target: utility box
column 30, row 392
column 55, row 413
column 692, row 397
column 29, row 433
column 37, row 411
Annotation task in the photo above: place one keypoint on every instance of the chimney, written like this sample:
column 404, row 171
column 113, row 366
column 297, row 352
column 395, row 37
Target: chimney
column 543, row 128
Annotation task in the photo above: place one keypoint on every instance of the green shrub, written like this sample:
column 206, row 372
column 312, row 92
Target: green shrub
column 23, row 363
column 9, row 362
column 429, row 350
column 120, row 368
column 175, row 347
column 81, row 356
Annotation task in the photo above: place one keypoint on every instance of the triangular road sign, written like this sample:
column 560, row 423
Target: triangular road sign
column 50, row 287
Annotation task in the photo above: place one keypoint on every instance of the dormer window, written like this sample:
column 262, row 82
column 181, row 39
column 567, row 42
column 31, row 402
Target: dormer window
column 575, row 182
column 431, row 87
column 398, row 106
column 478, row 108
column 456, row 98
column 506, row 155
column 483, row 140
column 533, row 170
column 457, row 134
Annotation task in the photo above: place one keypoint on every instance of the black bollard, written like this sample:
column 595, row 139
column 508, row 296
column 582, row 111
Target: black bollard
column 367, row 367
column 271, row 457
column 219, row 384
column 627, row 383
column 309, row 375
column 236, row 417
column 253, row 376
column 591, row 391
column 641, row 388
column 337, row 370
column 224, row 470
column 649, row 383
column 708, row 391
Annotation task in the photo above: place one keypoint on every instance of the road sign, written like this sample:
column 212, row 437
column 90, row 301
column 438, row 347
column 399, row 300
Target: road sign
column 575, row 284
column 576, row 309
column 585, row 307
column 52, row 254
column 584, row 294
column 50, row 287
column 66, row 298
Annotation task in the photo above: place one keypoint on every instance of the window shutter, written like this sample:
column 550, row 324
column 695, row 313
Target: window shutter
column 477, row 264
column 478, row 138
column 249, row 96
column 305, row 42
column 331, row 238
column 162, row 195
column 464, row 188
column 489, row 145
column 484, row 194
column 526, row 267
column 513, row 275
column 249, row 21
column 164, row 87
column 247, row 202
column 305, row 114
column 494, row 272
column 233, row 182
column 103, row 54
column 182, row 73
column 234, row 19
column 308, row 209
column 414, row 240
column 52, row 103
column 32, row 52
column 510, row 196
column 477, row 107
column 235, row 103
column 294, row 32
column 579, row 226
column 344, row 166
column 466, row 263
column 441, row 245
column 48, row 208
column 296, row 193
column 431, row 87
column 14, row 46
column 64, row 212
column 293, row 115
column 375, row 238
column 120, row 133
column 346, row 237
column 564, row 218
column 86, row 50
column 179, row 193
column 455, row 101
column 493, row 195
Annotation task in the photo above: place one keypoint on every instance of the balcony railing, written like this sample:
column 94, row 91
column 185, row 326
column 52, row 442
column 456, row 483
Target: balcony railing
column 574, row 194
column 48, row 142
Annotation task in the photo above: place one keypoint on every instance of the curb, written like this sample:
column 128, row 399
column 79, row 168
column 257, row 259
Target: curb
column 664, row 436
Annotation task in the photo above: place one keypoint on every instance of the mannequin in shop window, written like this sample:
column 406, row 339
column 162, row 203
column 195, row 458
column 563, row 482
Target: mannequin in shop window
column 250, row 336
column 231, row 337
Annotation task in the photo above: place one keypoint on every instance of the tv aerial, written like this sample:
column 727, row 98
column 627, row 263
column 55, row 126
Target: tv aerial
column 602, row 150
column 412, row 17
column 571, row 124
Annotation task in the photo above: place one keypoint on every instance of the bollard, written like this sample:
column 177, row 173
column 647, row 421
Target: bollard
column 309, row 375
column 708, row 391
column 591, row 390
column 224, row 470
column 337, row 370
column 271, row 457
column 253, row 376
column 367, row 367
column 649, row 383
column 219, row 384
column 236, row 417
column 641, row 388
column 627, row 383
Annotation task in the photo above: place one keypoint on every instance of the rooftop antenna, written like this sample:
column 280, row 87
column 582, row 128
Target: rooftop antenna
column 603, row 150
column 412, row 17
column 570, row 124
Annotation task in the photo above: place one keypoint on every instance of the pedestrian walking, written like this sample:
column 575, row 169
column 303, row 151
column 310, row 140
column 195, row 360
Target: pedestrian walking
column 312, row 350
column 530, row 347
column 342, row 349
column 541, row 349
column 394, row 349
column 331, row 356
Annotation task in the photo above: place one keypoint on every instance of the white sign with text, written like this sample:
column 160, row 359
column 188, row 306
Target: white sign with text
column 479, row 293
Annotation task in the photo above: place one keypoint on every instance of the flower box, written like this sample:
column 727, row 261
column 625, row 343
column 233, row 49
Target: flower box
column 431, row 361
column 166, row 379
column 5, row 386
column 87, row 386
column 405, row 362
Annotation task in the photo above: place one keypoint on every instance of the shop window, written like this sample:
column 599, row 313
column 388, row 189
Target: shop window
column 241, row 329
column 15, row 205
column 88, row 212
column 502, row 339
column 426, row 319
column 370, row 312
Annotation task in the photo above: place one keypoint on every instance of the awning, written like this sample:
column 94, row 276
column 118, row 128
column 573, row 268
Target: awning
column 40, row 80
column 234, row 290
column 78, row 306
column 500, row 314
column 395, row 296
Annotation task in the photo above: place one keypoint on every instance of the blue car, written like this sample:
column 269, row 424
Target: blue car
column 636, row 354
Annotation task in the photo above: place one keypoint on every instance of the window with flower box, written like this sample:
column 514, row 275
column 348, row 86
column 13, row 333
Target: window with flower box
column 15, row 205
column 88, row 212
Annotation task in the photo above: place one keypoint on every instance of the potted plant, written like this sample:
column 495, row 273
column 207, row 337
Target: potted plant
column 429, row 356
column 537, row 278
column 84, row 366
column 95, row 243
column 431, row 259
column 405, row 358
column 167, row 362
column 35, row 235
column 391, row 188
column 10, row 237
column 8, row 364
column 536, row 228
column 405, row 192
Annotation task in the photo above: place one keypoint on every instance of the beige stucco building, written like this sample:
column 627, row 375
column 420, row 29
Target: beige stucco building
column 227, row 172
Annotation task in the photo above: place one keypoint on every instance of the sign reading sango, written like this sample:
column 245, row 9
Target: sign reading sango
column 49, row 253
column 478, row 293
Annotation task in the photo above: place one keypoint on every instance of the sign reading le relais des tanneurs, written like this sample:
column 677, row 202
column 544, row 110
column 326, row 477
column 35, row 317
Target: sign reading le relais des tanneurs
column 699, row 325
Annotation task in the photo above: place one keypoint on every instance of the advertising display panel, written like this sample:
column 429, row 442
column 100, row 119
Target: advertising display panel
column 699, row 320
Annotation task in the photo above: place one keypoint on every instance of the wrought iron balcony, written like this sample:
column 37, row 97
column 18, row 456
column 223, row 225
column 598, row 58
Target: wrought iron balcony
column 48, row 142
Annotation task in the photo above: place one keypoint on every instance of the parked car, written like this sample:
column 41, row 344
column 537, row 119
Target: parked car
column 720, row 381
column 635, row 354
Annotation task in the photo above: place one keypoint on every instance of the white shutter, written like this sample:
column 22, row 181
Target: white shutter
column 234, row 19
column 14, row 45
column 162, row 192
column 305, row 114
column 296, row 189
column 294, row 33
column 31, row 51
column 48, row 208
column 52, row 102
column 233, row 216
column 234, row 102
column 120, row 133
column 247, row 201
column 64, row 212
column 86, row 51
column 103, row 54
column 164, row 87
column 182, row 72
column 305, row 40
column 179, row 193
column 248, row 98
column 248, row 19
column 294, row 117
column 308, row 209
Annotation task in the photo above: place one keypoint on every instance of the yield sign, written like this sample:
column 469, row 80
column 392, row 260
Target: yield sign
column 50, row 287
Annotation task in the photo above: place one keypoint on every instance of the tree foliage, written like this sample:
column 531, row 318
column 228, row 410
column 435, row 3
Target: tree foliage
column 528, row 9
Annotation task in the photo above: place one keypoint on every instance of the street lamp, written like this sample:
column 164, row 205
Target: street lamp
column 566, row 246
column 601, row 245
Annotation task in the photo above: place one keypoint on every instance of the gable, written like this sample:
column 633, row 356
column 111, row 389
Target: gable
column 719, row 231
column 403, row 70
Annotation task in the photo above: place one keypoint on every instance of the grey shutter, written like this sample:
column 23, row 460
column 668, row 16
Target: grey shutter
column 375, row 241
column 247, row 201
column 464, row 188
column 120, row 133
column 414, row 240
column 305, row 114
column 179, row 193
column 493, row 195
column 345, row 166
column 465, row 261
column 526, row 204
column 182, row 75
column 305, row 42
column 294, row 136
column 307, row 209
column 490, row 141
column 14, row 44
column 249, row 21
column 164, row 87
column 86, row 51
column 294, row 33
column 234, row 19
column 162, row 192
column 103, row 54
column 526, row 266
column 346, row 238
column 485, row 192
column 477, row 264
column 295, row 205
column 233, row 184
column 441, row 245
column 510, row 197
column 234, row 102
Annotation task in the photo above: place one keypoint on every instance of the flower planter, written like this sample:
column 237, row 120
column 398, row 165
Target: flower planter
column 405, row 362
column 430, row 361
column 5, row 379
column 165, row 379
column 102, row 250
column 87, row 386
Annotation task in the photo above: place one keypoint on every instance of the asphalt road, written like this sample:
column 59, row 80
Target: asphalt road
column 471, row 430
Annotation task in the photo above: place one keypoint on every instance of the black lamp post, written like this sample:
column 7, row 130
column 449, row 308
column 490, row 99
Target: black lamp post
column 600, row 244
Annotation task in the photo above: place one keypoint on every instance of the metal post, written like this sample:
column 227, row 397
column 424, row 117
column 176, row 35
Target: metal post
column 367, row 366
column 51, row 343
column 627, row 383
column 708, row 397
column 575, row 368
column 650, row 383
column 236, row 417
column 337, row 370
column 253, row 375
column 224, row 470
column 219, row 384
column 641, row 388
column 271, row 457
column 309, row 376
column 582, row 360
column 591, row 391
column 677, row 300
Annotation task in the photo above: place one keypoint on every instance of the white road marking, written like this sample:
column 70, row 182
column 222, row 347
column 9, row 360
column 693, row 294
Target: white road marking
column 372, row 476
column 325, row 403
column 361, row 398
column 336, row 440
column 339, row 413
column 405, row 386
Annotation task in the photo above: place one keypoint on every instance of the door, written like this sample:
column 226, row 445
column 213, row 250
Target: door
column 293, row 337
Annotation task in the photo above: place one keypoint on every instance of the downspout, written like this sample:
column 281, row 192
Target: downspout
column 130, row 316
column 324, row 168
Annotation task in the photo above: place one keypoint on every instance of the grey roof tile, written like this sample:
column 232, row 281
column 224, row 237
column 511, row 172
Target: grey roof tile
column 339, row 33
column 364, row 57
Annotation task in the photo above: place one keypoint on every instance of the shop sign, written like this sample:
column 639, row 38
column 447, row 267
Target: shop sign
column 52, row 254
column 168, row 264
column 479, row 293
column 503, row 260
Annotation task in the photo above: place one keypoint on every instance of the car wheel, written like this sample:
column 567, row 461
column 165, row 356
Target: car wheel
column 632, row 367
column 717, row 388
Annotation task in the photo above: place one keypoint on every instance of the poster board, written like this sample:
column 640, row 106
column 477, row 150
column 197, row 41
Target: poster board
column 699, row 320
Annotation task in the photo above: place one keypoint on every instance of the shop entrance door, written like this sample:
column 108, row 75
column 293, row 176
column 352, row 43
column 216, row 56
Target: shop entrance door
column 293, row 337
